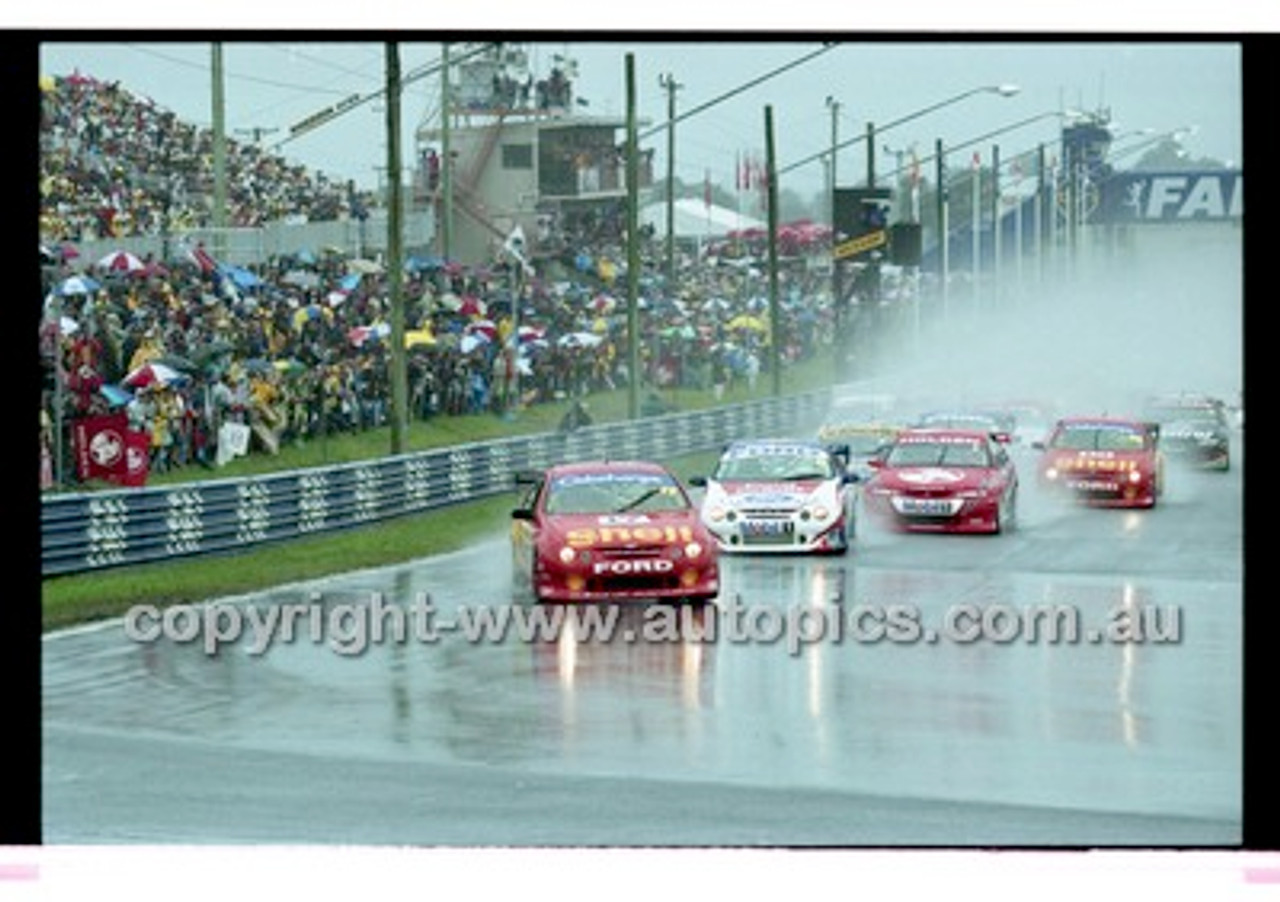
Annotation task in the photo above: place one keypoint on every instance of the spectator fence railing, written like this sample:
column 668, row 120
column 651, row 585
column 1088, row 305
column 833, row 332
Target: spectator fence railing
column 85, row 531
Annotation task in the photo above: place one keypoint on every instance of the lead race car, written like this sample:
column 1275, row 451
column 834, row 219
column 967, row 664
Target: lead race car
column 945, row 480
column 608, row 531
column 1104, row 461
column 780, row 495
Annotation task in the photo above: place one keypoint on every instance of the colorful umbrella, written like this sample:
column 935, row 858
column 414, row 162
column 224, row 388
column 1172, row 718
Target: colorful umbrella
column 115, row 395
column 152, row 374
column 121, row 261
column 415, row 337
column 78, row 285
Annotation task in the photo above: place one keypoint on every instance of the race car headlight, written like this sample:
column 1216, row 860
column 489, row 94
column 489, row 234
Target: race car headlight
column 692, row 550
column 1051, row 473
column 1135, row 475
column 816, row 511
column 570, row 555
column 715, row 514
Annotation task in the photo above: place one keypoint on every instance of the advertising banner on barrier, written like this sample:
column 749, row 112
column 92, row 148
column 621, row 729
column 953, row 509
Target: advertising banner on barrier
column 107, row 449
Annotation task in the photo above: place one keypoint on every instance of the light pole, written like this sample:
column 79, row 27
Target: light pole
column 668, row 82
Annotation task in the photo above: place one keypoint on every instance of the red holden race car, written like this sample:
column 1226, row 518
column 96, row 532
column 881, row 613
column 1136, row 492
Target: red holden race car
column 944, row 480
column 1105, row 461
column 607, row 531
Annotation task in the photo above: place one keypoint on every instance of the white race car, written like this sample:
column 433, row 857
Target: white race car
column 781, row 495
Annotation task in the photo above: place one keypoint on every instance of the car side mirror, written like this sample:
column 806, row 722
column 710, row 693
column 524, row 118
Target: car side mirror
column 851, row 477
column 699, row 482
column 522, row 513
column 876, row 463
column 1003, row 438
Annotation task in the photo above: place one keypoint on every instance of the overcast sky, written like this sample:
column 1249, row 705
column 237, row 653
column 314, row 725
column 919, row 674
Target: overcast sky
column 1144, row 84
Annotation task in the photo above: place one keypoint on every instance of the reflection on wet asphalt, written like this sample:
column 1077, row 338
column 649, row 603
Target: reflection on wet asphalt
column 698, row 709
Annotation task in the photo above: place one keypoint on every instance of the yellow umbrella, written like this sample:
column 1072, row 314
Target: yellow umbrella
column 47, row 83
column 743, row 321
column 414, row 337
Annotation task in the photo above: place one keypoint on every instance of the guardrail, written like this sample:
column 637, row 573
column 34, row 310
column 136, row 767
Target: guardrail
column 94, row 530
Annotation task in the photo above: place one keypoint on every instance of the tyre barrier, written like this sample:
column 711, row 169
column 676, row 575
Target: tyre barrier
column 83, row 531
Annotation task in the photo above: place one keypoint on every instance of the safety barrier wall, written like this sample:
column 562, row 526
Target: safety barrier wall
column 93, row 530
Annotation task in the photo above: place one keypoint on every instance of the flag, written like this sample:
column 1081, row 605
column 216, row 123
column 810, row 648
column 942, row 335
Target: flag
column 106, row 448
column 515, row 246
column 706, row 189
column 977, row 160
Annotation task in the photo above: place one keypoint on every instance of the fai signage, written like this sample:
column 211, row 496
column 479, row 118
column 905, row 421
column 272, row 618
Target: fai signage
column 1134, row 197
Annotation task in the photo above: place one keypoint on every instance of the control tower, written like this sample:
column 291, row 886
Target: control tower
column 522, row 151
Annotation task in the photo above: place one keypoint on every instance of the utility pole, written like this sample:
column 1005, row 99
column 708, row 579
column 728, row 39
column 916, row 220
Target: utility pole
column 633, row 247
column 1039, row 214
column 837, row 303
column 871, row 154
column 775, row 314
column 219, row 154
column 976, row 203
column 668, row 81
column 446, row 157
column 394, row 270
column 944, row 238
column 995, row 225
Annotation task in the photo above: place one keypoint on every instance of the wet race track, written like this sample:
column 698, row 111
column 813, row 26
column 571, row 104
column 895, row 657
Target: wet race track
column 729, row 732
column 726, row 729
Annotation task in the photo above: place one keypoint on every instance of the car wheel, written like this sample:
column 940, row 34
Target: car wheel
column 1006, row 514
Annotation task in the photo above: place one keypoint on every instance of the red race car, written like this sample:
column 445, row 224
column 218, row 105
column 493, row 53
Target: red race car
column 608, row 531
column 1105, row 461
column 944, row 480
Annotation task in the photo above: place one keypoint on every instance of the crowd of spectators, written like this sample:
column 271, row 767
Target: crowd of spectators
column 297, row 348
column 115, row 165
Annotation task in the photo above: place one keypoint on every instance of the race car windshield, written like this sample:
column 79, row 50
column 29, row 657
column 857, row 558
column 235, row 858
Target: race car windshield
column 1200, row 415
column 938, row 454
column 961, row 421
column 611, row 493
column 1098, row 438
column 774, row 467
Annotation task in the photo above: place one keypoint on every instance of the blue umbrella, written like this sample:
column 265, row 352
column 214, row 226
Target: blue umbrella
column 115, row 395
column 349, row 282
column 240, row 276
column 424, row 264
column 78, row 285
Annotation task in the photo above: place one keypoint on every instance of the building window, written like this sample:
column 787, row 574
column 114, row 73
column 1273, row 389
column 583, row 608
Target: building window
column 517, row 156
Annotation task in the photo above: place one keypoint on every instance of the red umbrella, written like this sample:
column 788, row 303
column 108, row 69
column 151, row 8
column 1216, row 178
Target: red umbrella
column 471, row 306
column 121, row 261
column 200, row 257
column 152, row 374
column 483, row 327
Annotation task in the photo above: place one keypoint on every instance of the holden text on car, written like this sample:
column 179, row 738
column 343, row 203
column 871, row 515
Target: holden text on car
column 607, row 531
column 944, row 480
column 780, row 495
column 1105, row 461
